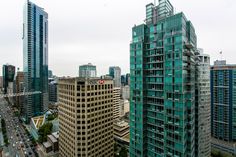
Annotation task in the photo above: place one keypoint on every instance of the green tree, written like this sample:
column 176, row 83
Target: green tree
column 43, row 131
column 123, row 152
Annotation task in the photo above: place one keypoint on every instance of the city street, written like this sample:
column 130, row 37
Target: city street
column 19, row 142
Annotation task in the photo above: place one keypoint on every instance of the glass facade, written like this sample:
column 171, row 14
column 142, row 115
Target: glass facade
column 223, row 101
column 115, row 73
column 162, row 85
column 8, row 73
column 35, row 48
column 87, row 70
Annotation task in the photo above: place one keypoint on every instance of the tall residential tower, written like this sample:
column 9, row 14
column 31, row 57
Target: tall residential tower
column 163, row 63
column 35, row 47
column 203, row 106
column 223, row 106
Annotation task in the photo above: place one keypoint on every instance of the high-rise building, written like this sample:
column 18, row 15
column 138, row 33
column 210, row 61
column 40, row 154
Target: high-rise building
column 115, row 73
column 1, row 82
column 125, row 90
column 8, row 74
column 127, row 79
column 35, row 47
column 19, row 89
column 85, row 117
column 123, row 80
column 203, row 106
column 50, row 74
column 52, row 86
column 116, row 103
column 162, row 81
column 223, row 106
column 87, row 70
column 124, row 107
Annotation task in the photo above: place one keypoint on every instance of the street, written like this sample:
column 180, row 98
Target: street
column 19, row 142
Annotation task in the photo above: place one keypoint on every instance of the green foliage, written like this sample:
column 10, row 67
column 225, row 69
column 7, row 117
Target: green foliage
column 3, row 123
column 43, row 131
column 216, row 153
column 123, row 152
column 51, row 117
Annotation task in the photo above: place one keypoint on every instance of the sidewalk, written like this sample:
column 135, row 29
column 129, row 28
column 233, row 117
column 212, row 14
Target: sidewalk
column 1, row 135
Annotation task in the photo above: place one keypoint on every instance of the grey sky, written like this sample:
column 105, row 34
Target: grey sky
column 99, row 31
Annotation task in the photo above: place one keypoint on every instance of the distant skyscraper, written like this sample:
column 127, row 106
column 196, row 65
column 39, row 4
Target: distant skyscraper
column 127, row 77
column 123, row 80
column 115, row 73
column 87, row 70
column 50, row 74
column 8, row 73
column 223, row 105
column 85, row 117
column 52, row 90
column 35, row 46
column 203, row 106
column 163, row 61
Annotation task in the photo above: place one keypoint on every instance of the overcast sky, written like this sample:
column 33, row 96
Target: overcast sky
column 99, row 31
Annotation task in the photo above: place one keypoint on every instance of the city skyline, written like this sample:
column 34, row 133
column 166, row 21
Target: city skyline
column 79, row 41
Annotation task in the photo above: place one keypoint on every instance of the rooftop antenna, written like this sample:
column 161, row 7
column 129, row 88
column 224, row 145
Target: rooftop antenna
column 221, row 56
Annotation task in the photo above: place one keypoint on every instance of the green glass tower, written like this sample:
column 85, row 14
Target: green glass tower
column 162, row 100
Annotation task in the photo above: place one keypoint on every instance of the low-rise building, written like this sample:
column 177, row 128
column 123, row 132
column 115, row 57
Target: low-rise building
column 52, row 143
column 35, row 124
column 121, row 133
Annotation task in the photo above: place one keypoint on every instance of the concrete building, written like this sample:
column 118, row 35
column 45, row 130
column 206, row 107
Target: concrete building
column 19, row 89
column 121, row 133
column 116, row 103
column 203, row 106
column 124, row 107
column 125, row 92
column 85, row 117
column 35, row 53
column 223, row 106
column 87, row 70
column 115, row 73
column 52, row 143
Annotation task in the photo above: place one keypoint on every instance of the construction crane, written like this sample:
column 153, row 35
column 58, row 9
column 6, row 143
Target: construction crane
column 19, row 94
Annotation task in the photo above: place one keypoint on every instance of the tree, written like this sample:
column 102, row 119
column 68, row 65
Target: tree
column 43, row 131
column 123, row 152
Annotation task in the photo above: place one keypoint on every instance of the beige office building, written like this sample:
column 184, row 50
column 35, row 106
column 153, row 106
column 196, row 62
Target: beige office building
column 85, row 117
column 116, row 103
